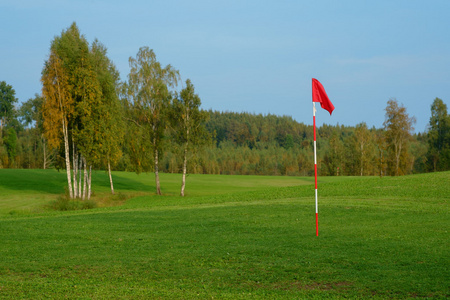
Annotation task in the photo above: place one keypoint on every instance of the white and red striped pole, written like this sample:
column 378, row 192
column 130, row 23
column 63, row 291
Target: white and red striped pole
column 318, row 95
column 315, row 169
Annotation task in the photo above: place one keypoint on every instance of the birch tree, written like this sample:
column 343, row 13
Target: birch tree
column 189, row 124
column 149, row 94
column 398, row 127
column 87, row 134
column 334, row 157
column 7, row 101
column 57, row 108
column 381, row 145
column 111, row 118
column 78, row 92
column 439, row 137
column 364, row 145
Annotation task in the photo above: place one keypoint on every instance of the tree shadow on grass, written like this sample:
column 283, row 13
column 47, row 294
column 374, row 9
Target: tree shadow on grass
column 54, row 182
column 121, row 183
column 26, row 181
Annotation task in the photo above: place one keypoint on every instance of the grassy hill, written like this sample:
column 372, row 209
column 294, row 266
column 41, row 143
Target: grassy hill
column 233, row 237
column 23, row 191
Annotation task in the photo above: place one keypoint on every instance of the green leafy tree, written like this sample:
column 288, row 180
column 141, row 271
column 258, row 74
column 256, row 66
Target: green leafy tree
column 418, row 149
column 149, row 95
column 57, row 108
column 189, row 122
column 30, row 114
column 79, row 91
column 110, row 117
column 381, row 149
column 30, row 111
column 289, row 142
column 333, row 159
column 439, row 137
column 398, row 127
column 70, row 89
column 11, row 145
column 7, row 101
column 365, row 148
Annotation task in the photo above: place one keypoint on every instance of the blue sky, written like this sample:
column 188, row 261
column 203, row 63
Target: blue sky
column 256, row 56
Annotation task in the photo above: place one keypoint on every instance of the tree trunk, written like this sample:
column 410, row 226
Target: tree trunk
column 84, row 178
column 80, row 167
column 75, row 171
column 45, row 153
column 398, row 151
column 110, row 177
column 89, row 183
column 158, row 188
column 183, row 182
column 67, row 152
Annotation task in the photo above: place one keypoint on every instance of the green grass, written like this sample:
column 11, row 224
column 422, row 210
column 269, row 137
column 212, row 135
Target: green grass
column 233, row 237
column 24, row 191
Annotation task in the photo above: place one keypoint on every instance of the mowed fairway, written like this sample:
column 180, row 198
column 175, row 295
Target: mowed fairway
column 232, row 237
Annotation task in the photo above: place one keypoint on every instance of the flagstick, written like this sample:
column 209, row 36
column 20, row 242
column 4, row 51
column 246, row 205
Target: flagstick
column 318, row 95
column 315, row 169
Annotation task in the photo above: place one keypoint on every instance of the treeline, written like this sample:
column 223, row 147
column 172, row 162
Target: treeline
column 87, row 118
column 250, row 144
column 255, row 144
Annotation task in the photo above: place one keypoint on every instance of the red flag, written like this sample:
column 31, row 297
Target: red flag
column 319, row 95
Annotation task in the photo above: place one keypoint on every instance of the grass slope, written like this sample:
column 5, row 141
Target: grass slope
column 24, row 191
column 250, row 238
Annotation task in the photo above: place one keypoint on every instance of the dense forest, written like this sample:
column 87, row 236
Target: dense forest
column 87, row 118
column 249, row 144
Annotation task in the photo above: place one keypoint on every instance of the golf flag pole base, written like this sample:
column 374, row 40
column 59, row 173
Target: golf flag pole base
column 317, row 224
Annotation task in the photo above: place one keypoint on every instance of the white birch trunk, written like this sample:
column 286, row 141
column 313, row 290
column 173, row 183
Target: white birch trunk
column 80, row 167
column 110, row 177
column 158, row 187
column 183, row 181
column 397, row 158
column 66, row 136
column 89, row 183
column 75, row 170
column 66, row 146
column 186, row 124
column 84, row 178
column 45, row 154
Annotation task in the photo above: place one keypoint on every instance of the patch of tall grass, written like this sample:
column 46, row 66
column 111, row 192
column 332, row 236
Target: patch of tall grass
column 63, row 203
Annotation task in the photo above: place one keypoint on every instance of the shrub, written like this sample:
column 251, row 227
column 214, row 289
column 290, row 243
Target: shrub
column 64, row 203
